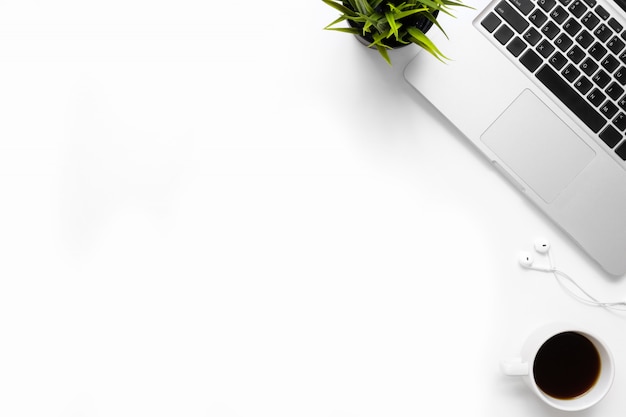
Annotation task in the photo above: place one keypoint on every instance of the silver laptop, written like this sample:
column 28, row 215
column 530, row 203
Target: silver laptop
column 539, row 86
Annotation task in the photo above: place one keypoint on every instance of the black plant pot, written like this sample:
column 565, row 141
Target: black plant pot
column 420, row 22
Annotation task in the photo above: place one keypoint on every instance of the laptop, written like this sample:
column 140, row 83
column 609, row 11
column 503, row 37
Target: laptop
column 539, row 87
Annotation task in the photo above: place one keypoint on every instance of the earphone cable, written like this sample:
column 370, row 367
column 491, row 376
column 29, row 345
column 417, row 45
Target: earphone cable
column 561, row 276
column 590, row 300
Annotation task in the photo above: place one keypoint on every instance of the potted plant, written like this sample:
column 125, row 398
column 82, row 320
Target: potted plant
column 388, row 24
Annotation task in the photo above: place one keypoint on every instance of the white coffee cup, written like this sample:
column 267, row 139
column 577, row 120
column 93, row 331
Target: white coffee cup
column 567, row 367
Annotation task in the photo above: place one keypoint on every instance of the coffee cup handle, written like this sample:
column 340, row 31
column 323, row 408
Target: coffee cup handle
column 515, row 367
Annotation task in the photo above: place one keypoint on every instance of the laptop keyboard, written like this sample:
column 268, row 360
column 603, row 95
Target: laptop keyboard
column 577, row 50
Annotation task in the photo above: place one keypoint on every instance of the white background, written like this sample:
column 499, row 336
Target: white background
column 220, row 209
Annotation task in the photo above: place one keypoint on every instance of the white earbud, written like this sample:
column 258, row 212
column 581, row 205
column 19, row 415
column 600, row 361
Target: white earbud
column 542, row 245
column 526, row 259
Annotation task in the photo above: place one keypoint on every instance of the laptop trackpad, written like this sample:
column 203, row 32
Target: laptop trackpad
column 538, row 146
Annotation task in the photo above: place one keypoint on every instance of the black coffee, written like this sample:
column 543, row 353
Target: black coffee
column 567, row 366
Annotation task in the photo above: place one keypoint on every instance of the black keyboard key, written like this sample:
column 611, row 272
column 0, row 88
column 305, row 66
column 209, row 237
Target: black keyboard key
column 611, row 136
column 610, row 63
column 570, row 73
column 511, row 16
column 563, row 42
column 537, row 18
column 576, row 54
column 584, row 39
column 590, row 20
column 597, row 51
column 558, row 61
column 621, row 150
column 601, row 78
column 530, row 60
column 545, row 49
column 615, row 25
column 565, row 2
column 516, row 46
column 589, row 66
column 590, row 3
column 596, row 97
column 614, row 90
column 620, row 121
column 504, row 34
column 602, row 12
column 559, row 15
column 532, row 36
column 546, row 5
column 491, row 22
column 583, row 85
column 572, row 27
column 615, row 45
column 620, row 75
column 524, row 6
column 570, row 97
column 603, row 32
column 550, row 30
column 622, row 103
column 577, row 8
column 608, row 109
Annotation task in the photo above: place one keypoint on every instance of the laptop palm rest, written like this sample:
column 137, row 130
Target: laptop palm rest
column 537, row 146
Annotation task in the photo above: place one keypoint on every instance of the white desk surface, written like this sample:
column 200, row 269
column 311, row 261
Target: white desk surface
column 223, row 210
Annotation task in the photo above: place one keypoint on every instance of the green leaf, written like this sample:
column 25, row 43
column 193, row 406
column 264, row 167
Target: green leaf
column 419, row 38
column 375, row 21
column 340, row 7
column 402, row 15
column 433, row 19
column 383, row 52
column 338, row 20
column 393, row 26
column 432, row 4
column 366, row 26
column 456, row 4
column 379, row 39
column 353, row 31
column 364, row 7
